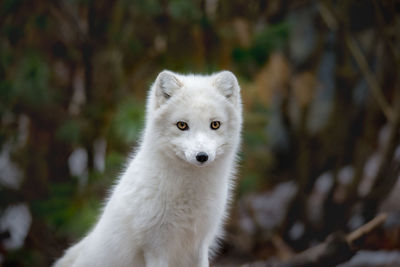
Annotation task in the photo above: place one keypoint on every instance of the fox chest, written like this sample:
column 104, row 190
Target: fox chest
column 187, row 207
column 184, row 223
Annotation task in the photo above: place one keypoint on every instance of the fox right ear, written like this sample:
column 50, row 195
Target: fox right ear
column 166, row 85
column 226, row 83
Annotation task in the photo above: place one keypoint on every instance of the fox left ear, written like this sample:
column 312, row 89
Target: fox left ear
column 226, row 83
column 166, row 85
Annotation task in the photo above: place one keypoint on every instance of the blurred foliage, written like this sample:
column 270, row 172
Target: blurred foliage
column 128, row 121
column 250, row 59
column 74, row 76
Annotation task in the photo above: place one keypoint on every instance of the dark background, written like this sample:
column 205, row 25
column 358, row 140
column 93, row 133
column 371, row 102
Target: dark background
column 321, row 92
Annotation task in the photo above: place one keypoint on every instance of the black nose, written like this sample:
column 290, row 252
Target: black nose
column 202, row 157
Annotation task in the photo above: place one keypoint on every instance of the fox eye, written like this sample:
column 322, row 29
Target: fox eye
column 215, row 125
column 183, row 126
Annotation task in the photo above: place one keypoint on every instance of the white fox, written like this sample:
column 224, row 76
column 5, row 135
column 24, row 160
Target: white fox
column 168, row 207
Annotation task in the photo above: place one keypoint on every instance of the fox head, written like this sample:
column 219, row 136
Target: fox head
column 192, row 118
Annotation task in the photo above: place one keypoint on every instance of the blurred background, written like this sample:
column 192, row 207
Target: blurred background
column 321, row 91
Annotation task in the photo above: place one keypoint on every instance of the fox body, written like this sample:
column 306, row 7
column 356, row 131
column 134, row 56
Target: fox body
column 168, row 207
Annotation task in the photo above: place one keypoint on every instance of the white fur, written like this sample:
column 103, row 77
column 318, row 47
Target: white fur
column 167, row 209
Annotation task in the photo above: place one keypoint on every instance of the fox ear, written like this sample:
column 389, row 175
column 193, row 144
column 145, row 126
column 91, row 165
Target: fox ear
column 166, row 85
column 226, row 83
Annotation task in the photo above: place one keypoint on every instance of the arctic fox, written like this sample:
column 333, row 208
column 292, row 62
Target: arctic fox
column 167, row 209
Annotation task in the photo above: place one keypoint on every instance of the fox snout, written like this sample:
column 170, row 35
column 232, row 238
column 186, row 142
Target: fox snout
column 202, row 157
column 199, row 157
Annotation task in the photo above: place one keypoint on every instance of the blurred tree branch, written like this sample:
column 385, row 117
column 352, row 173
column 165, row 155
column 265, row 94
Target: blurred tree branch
column 331, row 19
column 385, row 34
column 336, row 249
column 389, row 167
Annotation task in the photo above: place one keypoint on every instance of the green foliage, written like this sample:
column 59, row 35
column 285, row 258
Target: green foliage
column 183, row 10
column 57, row 208
column 25, row 257
column 82, row 218
column 128, row 121
column 70, row 131
column 31, row 81
column 272, row 38
column 6, row 87
column 114, row 162
column 249, row 182
column 8, row 6
column 147, row 7
column 70, row 213
column 41, row 21
column 6, row 94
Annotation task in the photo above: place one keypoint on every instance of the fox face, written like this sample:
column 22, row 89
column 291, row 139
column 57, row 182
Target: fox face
column 196, row 118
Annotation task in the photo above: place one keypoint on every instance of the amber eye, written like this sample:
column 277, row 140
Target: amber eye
column 215, row 125
column 183, row 126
